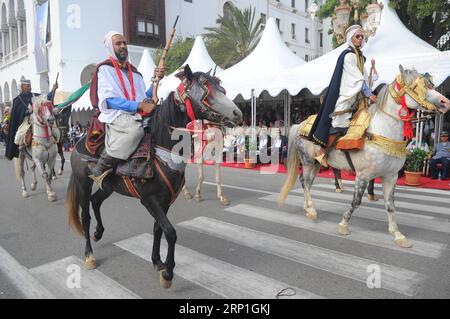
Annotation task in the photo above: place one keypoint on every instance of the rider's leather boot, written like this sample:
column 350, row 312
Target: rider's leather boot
column 104, row 167
column 322, row 156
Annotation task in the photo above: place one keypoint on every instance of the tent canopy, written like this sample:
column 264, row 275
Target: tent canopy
column 270, row 58
column 147, row 67
column 199, row 60
column 392, row 45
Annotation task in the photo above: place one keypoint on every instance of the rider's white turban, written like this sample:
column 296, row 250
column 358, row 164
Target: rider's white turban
column 350, row 32
column 109, row 43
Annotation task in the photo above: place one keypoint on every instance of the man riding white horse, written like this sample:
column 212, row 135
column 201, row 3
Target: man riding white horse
column 349, row 81
column 122, row 101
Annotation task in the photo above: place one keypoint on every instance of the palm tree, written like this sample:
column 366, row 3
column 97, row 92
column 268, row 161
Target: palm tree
column 235, row 37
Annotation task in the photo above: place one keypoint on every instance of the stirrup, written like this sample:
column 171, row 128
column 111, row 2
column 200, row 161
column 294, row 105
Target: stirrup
column 322, row 160
column 99, row 179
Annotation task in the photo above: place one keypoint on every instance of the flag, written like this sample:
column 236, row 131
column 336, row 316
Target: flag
column 75, row 96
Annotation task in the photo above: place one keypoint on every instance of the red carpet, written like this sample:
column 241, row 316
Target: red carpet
column 425, row 181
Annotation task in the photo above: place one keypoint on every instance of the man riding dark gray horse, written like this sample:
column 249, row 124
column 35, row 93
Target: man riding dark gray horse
column 199, row 96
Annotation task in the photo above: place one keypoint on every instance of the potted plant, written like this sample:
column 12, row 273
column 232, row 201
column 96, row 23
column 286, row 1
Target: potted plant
column 249, row 159
column 415, row 161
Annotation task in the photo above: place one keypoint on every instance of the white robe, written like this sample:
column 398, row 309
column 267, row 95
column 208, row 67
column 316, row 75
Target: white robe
column 109, row 87
column 351, row 84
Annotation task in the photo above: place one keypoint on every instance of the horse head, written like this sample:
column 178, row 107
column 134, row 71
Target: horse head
column 43, row 110
column 208, row 100
column 419, row 92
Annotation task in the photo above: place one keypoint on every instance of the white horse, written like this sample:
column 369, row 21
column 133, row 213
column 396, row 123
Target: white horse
column 208, row 147
column 43, row 148
column 382, row 156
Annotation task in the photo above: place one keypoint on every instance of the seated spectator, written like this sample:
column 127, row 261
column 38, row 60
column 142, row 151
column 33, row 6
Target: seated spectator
column 441, row 155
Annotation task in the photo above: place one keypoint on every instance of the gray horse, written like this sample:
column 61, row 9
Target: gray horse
column 382, row 156
column 43, row 148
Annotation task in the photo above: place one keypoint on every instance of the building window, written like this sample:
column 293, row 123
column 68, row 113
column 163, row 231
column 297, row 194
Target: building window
column 293, row 3
column 278, row 24
column 263, row 18
column 144, row 22
column 293, row 31
column 306, row 5
column 306, row 35
column 190, row 1
column 306, row 57
column 321, row 39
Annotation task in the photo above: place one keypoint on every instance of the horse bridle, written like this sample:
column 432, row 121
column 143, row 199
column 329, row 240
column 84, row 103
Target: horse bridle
column 184, row 96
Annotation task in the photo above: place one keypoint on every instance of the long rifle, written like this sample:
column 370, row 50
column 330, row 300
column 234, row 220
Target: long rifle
column 54, row 89
column 162, row 61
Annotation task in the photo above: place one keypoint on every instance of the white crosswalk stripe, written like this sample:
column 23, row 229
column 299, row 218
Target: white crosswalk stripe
column 398, row 195
column 398, row 203
column 393, row 278
column 421, row 248
column 220, row 277
column 57, row 277
column 340, row 207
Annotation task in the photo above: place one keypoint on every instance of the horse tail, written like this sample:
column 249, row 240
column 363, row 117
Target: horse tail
column 73, row 206
column 293, row 163
column 18, row 169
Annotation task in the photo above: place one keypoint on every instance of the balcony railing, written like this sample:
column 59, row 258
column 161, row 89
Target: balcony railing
column 14, row 56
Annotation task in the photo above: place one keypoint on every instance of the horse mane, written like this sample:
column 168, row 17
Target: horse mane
column 381, row 100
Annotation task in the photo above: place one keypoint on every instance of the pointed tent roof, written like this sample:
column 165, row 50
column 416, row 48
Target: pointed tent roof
column 147, row 67
column 270, row 58
column 199, row 60
column 392, row 45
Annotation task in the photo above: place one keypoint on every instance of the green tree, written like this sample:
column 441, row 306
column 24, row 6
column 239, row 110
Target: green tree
column 178, row 53
column 235, row 37
column 428, row 19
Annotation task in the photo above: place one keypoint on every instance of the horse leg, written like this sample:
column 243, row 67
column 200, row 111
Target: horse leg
column 309, row 173
column 360, row 188
column 20, row 173
column 156, row 256
column 371, row 191
column 187, row 194
column 389, row 183
column 158, row 213
column 97, row 200
column 223, row 200
column 63, row 159
column 338, row 180
column 33, row 175
column 48, row 176
column 201, row 178
column 86, row 223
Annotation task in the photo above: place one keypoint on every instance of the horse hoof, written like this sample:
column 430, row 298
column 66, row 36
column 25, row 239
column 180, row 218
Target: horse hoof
column 373, row 198
column 60, row 173
column 91, row 263
column 198, row 199
column 54, row 177
column 224, row 201
column 96, row 238
column 33, row 187
column 188, row 196
column 312, row 215
column 343, row 230
column 403, row 242
column 25, row 195
column 165, row 284
column 52, row 197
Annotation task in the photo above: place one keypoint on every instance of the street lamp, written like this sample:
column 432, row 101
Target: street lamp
column 341, row 20
column 374, row 17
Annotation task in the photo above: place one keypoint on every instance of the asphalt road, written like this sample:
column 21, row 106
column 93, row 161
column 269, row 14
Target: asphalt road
column 252, row 249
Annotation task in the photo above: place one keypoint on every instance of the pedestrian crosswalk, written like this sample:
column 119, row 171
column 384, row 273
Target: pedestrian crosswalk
column 239, row 227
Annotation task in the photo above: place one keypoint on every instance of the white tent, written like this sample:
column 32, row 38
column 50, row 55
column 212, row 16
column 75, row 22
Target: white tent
column 199, row 60
column 83, row 104
column 270, row 58
column 147, row 67
column 392, row 45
